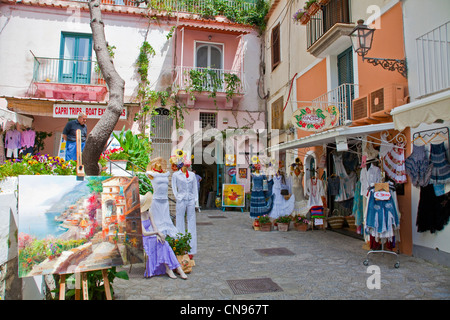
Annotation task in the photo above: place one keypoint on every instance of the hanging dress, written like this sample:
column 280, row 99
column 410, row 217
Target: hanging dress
column 418, row 167
column 281, row 206
column 159, row 254
column 301, row 203
column 433, row 212
column 440, row 173
column 347, row 182
column 394, row 164
column 160, row 204
column 259, row 206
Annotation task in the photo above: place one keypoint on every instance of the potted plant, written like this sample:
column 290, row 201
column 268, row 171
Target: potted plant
column 312, row 6
column 181, row 246
column 265, row 223
column 283, row 223
column 300, row 223
column 298, row 15
column 119, row 158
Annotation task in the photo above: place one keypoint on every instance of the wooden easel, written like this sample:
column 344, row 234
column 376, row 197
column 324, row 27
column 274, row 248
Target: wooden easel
column 81, row 282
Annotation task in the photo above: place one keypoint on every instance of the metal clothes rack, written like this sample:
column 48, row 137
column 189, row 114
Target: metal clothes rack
column 382, row 250
column 431, row 133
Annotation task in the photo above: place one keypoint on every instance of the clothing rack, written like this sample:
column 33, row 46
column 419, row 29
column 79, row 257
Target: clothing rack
column 431, row 133
column 382, row 250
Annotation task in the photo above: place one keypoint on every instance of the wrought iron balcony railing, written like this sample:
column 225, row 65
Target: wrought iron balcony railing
column 71, row 71
column 433, row 56
column 194, row 79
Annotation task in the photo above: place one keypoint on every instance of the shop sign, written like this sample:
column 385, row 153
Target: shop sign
column 72, row 110
column 315, row 119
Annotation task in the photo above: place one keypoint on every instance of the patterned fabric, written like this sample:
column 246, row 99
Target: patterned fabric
column 259, row 206
column 440, row 173
column 394, row 164
column 358, row 209
column 418, row 167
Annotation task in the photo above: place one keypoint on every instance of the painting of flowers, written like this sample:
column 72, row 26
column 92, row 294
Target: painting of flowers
column 68, row 225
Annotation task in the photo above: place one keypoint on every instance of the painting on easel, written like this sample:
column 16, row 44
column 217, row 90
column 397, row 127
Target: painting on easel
column 68, row 226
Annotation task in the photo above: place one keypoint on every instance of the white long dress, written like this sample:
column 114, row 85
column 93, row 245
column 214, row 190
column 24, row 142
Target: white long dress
column 281, row 206
column 160, row 203
column 301, row 203
column 347, row 182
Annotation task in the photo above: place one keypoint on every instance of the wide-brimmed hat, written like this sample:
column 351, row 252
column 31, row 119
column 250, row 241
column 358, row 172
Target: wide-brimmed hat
column 146, row 201
column 159, row 160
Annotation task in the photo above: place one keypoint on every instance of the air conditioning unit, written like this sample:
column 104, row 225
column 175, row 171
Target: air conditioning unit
column 383, row 100
column 360, row 108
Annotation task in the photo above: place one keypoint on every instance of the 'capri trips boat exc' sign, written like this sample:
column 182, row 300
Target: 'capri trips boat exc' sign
column 315, row 119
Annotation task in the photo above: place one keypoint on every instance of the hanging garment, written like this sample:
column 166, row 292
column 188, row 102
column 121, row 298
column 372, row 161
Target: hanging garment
column 347, row 182
column 394, row 164
column 28, row 138
column 369, row 177
column 160, row 203
column 358, row 209
column 159, row 254
column 433, row 211
column 333, row 185
column 281, row 206
column 259, row 204
column 12, row 139
column 301, row 203
column 382, row 219
column 315, row 191
column 385, row 145
column 368, row 150
column 418, row 166
column 440, row 173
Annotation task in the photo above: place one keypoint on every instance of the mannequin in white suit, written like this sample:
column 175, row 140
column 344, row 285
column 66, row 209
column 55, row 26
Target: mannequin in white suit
column 184, row 187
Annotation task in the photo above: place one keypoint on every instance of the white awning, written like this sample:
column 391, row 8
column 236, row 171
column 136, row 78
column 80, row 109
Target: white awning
column 6, row 115
column 329, row 136
column 426, row 110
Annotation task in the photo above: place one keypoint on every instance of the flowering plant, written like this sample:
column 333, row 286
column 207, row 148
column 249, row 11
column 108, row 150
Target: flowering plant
column 284, row 219
column 180, row 244
column 36, row 165
column 264, row 219
column 115, row 154
column 300, row 219
column 298, row 15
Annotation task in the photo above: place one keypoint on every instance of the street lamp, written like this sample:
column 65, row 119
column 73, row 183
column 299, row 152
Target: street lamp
column 362, row 37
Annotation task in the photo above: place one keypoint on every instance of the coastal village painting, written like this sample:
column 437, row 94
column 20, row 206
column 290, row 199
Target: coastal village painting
column 68, row 225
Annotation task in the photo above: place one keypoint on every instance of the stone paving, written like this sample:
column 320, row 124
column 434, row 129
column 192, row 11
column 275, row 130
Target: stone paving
column 324, row 265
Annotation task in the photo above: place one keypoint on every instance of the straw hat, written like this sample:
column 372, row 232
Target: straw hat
column 159, row 160
column 146, row 201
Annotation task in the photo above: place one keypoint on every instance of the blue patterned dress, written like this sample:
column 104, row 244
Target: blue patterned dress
column 260, row 202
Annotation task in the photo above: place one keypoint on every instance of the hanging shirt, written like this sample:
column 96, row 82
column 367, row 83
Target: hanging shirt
column 12, row 139
column 315, row 191
column 28, row 138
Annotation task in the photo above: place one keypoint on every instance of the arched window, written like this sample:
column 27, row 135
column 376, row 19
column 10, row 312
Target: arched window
column 209, row 56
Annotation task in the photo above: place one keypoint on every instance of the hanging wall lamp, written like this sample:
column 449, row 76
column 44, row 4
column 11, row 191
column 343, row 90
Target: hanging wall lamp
column 362, row 37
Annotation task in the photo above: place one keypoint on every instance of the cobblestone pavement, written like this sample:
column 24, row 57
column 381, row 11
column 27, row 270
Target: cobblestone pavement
column 322, row 265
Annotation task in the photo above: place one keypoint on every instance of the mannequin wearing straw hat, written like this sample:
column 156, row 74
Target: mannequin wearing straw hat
column 161, row 258
column 157, row 172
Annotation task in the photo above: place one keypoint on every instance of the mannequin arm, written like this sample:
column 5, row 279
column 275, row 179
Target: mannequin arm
column 160, row 236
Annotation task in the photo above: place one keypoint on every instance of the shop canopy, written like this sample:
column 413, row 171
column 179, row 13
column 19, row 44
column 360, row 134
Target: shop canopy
column 330, row 136
column 6, row 115
column 426, row 110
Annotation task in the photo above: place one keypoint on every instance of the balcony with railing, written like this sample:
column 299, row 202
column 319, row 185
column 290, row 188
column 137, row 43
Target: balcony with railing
column 68, row 79
column 188, row 6
column 328, row 29
column 200, row 84
column 341, row 97
column 433, row 55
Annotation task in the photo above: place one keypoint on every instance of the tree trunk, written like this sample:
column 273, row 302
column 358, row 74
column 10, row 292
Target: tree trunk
column 98, row 137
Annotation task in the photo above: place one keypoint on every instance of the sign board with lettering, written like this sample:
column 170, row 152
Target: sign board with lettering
column 72, row 110
column 315, row 118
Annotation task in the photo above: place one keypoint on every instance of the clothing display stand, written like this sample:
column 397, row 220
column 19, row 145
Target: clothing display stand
column 366, row 262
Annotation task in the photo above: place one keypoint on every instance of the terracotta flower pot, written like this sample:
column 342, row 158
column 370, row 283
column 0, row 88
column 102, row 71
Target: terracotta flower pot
column 313, row 9
column 266, row 226
column 283, row 226
column 300, row 226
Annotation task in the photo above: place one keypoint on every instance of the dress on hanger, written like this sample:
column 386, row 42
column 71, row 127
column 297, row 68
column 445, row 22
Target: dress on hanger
column 281, row 206
column 347, row 182
column 394, row 164
column 433, row 212
column 418, row 167
column 160, row 204
column 301, row 203
column 158, row 254
column 259, row 206
column 440, row 173
column 315, row 191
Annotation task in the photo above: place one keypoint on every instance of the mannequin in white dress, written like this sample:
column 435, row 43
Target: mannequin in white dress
column 301, row 202
column 158, row 174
